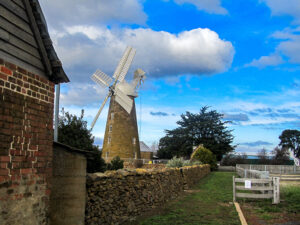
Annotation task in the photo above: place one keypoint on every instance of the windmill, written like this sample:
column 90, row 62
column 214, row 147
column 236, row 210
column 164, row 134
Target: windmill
column 121, row 133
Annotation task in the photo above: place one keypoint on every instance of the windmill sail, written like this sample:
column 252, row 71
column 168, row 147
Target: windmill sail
column 119, row 75
column 124, row 64
column 101, row 78
column 125, row 101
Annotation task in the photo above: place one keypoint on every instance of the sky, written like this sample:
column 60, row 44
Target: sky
column 240, row 58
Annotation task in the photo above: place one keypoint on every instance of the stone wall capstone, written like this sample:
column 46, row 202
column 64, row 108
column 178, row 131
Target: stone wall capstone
column 116, row 197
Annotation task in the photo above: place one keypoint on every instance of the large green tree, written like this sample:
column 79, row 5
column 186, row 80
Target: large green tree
column 290, row 139
column 73, row 131
column 206, row 128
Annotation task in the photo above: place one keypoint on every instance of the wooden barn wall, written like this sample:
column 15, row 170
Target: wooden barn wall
column 17, row 41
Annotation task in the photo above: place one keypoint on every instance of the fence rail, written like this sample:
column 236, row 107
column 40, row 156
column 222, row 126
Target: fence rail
column 257, row 188
column 247, row 173
column 277, row 169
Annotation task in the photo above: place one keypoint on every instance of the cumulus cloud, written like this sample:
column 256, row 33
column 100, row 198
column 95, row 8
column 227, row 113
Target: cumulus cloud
column 279, row 7
column 70, row 12
column 81, row 95
column 159, row 53
column 236, row 117
column 264, row 61
column 210, row 6
column 256, row 143
column 159, row 114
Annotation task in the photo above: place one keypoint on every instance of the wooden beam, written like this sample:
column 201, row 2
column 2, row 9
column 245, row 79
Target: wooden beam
column 38, row 38
column 249, row 195
column 255, row 181
column 254, row 188
column 13, row 30
column 18, row 53
column 15, row 9
column 12, row 18
column 4, row 35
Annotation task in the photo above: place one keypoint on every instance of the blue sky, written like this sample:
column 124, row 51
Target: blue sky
column 238, row 57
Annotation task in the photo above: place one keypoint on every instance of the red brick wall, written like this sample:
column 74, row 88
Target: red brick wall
column 26, row 137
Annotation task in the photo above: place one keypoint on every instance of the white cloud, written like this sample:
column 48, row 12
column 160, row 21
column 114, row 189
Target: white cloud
column 198, row 51
column 264, row 61
column 72, row 12
column 279, row 7
column 210, row 6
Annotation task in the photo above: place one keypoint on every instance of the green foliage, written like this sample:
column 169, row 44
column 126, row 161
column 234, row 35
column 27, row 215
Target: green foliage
column 290, row 139
column 115, row 164
column 205, row 127
column 180, row 162
column 281, row 156
column 73, row 131
column 175, row 162
column 232, row 160
column 205, row 156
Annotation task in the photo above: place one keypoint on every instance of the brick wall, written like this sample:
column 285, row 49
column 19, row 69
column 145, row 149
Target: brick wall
column 26, row 137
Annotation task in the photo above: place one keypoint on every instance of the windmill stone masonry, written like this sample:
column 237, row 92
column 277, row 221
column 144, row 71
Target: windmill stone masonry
column 121, row 133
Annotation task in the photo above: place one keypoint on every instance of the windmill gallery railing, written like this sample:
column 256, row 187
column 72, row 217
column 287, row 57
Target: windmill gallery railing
column 257, row 188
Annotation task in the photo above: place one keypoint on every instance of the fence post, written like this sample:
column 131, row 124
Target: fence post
column 233, row 188
column 276, row 191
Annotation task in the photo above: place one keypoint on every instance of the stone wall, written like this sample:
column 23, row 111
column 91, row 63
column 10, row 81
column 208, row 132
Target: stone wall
column 116, row 197
column 26, row 134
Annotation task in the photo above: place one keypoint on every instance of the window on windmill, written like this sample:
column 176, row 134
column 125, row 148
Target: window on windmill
column 135, row 155
column 107, row 153
column 110, row 128
column 112, row 115
column 134, row 140
column 109, row 140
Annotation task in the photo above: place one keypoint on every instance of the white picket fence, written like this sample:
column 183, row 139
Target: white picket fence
column 257, row 188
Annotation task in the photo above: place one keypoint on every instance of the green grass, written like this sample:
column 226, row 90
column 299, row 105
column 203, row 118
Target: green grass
column 209, row 204
column 289, row 205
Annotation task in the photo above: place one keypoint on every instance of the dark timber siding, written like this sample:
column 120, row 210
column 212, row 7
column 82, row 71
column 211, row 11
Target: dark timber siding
column 17, row 41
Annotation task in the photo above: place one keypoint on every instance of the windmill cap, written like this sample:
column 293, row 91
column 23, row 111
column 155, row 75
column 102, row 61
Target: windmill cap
column 139, row 72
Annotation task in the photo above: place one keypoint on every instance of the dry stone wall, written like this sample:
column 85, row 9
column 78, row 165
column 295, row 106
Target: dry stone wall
column 118, row 196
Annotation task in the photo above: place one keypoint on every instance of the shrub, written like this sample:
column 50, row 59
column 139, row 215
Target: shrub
column 205, row 156
column 175, row 162
column 115, row 164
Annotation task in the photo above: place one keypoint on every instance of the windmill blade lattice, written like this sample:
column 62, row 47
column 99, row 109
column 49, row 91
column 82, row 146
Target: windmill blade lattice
column 101, row 78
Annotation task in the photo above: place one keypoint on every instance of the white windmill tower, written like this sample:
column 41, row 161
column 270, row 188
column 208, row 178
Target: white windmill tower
column 121, row 133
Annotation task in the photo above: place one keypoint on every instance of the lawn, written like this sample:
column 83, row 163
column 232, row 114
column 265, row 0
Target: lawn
column 209, row 203
column 263, row 212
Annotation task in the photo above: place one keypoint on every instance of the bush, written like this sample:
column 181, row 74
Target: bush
column 95, row 163
column 115, row 164
column 205, row 156
column 232, row 160
column 175, row 162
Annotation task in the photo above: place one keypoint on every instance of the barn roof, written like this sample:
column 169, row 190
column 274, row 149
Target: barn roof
column 25, row 41
column 55, row 70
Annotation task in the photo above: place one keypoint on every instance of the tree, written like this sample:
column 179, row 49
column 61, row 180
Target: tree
column 281, row 156
column 263, row 157
column 205, row 127
column 205, row 156
column 290, row 139
column 73, row 131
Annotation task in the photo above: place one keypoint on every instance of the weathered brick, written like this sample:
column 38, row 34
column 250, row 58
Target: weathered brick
column 4, row 172
column 4, row 159
column 5, row 70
